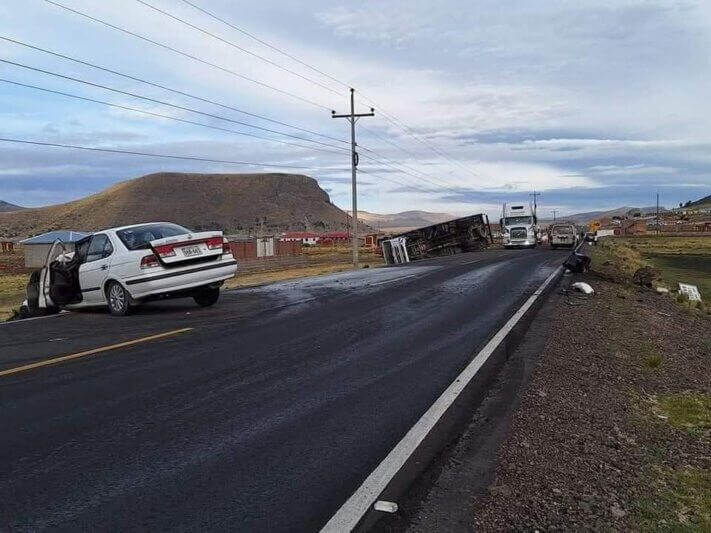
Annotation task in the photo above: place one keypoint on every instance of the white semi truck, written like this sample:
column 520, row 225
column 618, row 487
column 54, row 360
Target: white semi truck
column 519, row 226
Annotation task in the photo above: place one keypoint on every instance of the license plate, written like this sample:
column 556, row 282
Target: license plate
column 191, row 251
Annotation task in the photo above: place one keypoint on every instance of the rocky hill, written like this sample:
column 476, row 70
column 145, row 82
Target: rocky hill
column 235, row 203
column 702, row 203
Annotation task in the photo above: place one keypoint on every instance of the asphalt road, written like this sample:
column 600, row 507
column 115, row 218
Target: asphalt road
column 265, row 415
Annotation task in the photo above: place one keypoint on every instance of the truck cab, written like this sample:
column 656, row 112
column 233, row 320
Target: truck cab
column 519, row 226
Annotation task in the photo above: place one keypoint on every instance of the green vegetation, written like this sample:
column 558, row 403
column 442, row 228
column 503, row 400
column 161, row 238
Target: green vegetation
column 12, row 293
column 668, row 245
column 686, row 410
column 617, row 259
column 678, row 259
column 680, row 501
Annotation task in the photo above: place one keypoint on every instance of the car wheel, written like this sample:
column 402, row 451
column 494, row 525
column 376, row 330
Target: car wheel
column 207, row 297
column 118, row 299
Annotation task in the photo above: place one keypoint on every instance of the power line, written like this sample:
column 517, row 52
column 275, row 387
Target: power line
column 170, row 89
column 293, row 58
column 385, row 139
column 168, row 104
column 165, row 156
column 407, row 129
column 182, row 21
column 400, row 169
column 160, row 115
column 236, row 46
column 185, row 54
column 404, row 184
column 261, row 41
column 168, row 117
column 255, row 38
column 392, row 119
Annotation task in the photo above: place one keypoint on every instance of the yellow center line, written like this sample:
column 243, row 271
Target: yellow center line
column 93, row 351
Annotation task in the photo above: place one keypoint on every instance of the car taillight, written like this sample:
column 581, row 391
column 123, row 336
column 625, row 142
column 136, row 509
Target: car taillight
column 165, row 250
column 214, row 243
column 226, row 249
column 149, row 261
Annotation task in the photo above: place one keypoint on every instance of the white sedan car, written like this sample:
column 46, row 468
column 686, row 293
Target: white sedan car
column 122, row 267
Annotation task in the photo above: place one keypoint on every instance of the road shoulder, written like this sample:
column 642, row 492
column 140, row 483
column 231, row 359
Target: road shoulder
column 611, row 433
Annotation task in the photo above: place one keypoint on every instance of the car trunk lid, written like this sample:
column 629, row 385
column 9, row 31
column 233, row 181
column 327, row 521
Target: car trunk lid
column 189, row 247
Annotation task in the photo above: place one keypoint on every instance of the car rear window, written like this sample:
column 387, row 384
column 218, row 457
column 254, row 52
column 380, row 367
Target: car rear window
column 563, row 229
column 137, row 237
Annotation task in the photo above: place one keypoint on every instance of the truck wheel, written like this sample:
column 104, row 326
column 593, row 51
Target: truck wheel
column 118, row 299
column 207, row 297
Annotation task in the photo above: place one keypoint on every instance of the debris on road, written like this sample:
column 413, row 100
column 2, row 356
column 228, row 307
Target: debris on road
column 583, row 287
column 577, row 263
column 385, row 506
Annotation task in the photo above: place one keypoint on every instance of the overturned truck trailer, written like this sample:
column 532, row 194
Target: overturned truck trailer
column 464, row 234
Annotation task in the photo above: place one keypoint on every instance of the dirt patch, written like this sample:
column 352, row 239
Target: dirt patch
column 260, row 278
column 612, row 433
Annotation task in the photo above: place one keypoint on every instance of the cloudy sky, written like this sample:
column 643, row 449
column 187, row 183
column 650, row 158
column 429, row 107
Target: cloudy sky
column 595, row 104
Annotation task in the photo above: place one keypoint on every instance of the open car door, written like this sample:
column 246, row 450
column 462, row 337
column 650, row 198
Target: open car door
column 94, row 260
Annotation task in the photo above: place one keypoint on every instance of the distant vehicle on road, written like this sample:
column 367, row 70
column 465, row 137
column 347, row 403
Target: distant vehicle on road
column 564, row 235
column 519, row 226
column 122, row 267
column 591, row 236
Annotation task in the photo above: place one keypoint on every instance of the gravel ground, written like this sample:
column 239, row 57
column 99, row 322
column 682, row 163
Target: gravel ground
column 589, row 448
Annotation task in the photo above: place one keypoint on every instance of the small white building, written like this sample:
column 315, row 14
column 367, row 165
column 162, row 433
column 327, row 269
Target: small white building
column 36, row 248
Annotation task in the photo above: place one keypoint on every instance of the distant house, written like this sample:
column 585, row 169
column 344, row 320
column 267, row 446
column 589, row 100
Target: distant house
column 334, row 238
column 36, row 248
column 634, row 227
column 304, row 237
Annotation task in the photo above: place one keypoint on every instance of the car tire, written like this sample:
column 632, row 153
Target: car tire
column 207, row 297
column 117, row 299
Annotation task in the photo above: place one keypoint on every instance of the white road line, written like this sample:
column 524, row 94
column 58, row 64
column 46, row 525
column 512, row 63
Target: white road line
column 351, row 512
column 471, row 262
column 391, row 280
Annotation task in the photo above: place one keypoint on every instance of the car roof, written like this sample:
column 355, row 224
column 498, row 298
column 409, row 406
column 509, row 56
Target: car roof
column 119, row 228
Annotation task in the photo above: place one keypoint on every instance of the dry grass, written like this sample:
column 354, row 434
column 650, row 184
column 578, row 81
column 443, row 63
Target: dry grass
column 12, row 293
column 616, row 259
column 665, row 244
column 678, row 259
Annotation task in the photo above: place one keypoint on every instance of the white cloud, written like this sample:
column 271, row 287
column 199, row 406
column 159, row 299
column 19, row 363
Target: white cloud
column 597, row 93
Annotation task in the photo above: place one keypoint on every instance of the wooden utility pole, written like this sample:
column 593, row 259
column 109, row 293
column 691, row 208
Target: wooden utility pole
column 353, row 117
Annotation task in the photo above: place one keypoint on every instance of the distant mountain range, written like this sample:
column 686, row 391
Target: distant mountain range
column 398, row 222
column 6, row 206
column 584, row 218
